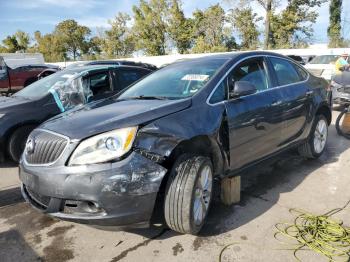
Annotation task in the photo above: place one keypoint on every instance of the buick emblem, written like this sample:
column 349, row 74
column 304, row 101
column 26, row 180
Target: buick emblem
column 30, row 146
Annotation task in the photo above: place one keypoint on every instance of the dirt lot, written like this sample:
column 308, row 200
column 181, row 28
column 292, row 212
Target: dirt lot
column 268, row 193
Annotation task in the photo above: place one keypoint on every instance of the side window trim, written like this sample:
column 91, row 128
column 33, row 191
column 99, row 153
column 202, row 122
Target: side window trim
column 242, row 60
column 273, row 77
column 113, row 73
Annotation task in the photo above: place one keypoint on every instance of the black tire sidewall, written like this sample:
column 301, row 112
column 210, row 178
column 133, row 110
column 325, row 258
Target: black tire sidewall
column 312, row 136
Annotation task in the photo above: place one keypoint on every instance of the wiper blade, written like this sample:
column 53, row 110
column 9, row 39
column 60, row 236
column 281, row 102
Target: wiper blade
column 142, row 97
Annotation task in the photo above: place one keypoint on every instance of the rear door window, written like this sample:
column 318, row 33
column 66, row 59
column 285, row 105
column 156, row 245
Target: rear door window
column 302, row 72
column 285, row 71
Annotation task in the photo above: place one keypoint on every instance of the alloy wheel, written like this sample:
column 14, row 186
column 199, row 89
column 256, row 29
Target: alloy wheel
column 202, row 195
column 320, row 137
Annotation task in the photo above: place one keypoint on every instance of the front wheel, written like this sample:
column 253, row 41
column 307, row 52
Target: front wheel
column 316, row 143
column 188, row 194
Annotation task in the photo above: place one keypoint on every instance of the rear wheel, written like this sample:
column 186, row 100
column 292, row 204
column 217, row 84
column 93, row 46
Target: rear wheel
column 316, row 143
column 188, row 194
column 17, row 142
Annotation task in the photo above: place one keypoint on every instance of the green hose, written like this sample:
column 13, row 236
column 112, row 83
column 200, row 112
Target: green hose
column 319, row 233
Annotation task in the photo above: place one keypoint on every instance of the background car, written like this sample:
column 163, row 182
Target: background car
column 297, row 58
column 62, row 91
column 340, row 86
column 16, row 73
column 167, row 137
column 323, row 66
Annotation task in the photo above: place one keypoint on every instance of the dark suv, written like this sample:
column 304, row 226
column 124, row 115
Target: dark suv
column 62, row 91
column 167, row 137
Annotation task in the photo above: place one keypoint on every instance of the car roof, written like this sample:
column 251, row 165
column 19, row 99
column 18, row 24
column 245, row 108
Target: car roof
column 232, row 55
column 36, row 65
column 115, row 62
column 90, row 68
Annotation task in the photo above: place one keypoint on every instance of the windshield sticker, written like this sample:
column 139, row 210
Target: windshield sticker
column 67, row 76
column 195, row 77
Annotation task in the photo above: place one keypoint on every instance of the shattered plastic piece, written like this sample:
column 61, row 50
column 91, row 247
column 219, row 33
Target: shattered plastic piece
column 71, row 93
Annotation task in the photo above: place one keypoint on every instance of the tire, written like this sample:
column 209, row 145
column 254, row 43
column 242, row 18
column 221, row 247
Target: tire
column 17, row 142
column 310, row 148
column 184, row 194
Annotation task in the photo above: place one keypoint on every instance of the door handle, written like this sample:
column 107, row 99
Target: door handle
column 277, row 103
column 309, row 93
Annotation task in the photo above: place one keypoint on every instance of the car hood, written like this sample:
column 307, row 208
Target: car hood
column 342, row 79
column 107, row 115
column 7, row 103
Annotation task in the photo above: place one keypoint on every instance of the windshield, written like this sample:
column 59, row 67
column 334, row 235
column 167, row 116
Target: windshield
column 324, row 59
column 175, row 81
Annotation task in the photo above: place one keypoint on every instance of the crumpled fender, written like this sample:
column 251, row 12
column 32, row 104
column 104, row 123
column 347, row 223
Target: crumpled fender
column 162, row 136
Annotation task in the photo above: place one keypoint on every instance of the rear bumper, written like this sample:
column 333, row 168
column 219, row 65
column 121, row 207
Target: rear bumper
column 112, row 194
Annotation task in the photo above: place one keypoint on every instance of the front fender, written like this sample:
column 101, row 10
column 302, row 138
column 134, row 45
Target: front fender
column 160, row 138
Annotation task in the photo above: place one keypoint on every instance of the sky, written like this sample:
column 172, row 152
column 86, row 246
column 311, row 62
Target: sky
column 43, row 15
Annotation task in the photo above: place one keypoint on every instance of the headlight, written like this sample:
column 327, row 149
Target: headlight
column 104, row 147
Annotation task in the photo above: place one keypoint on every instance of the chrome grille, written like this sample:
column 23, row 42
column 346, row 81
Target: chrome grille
column 46, row 147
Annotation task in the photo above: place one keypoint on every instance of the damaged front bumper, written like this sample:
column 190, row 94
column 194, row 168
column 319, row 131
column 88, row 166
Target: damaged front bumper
column 341, row 95
column 111, row 194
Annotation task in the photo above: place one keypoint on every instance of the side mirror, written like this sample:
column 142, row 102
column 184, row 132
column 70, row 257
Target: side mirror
column 242, row 88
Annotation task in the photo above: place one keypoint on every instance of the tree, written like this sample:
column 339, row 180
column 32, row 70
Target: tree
column 94, row 49
column 150, row 26
column 244, row 20
column 16, row 42
column 208, row 30
column 118, row 41
column 180, row 27
column 292, row 27
column 73, row 37
column 22, row 40
column 50, row 46
column 334, row 28
column 10, row 44
column 268, row 6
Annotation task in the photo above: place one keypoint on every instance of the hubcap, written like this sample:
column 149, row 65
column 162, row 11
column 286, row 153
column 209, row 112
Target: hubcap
column 202, row 195
column 320, row 137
